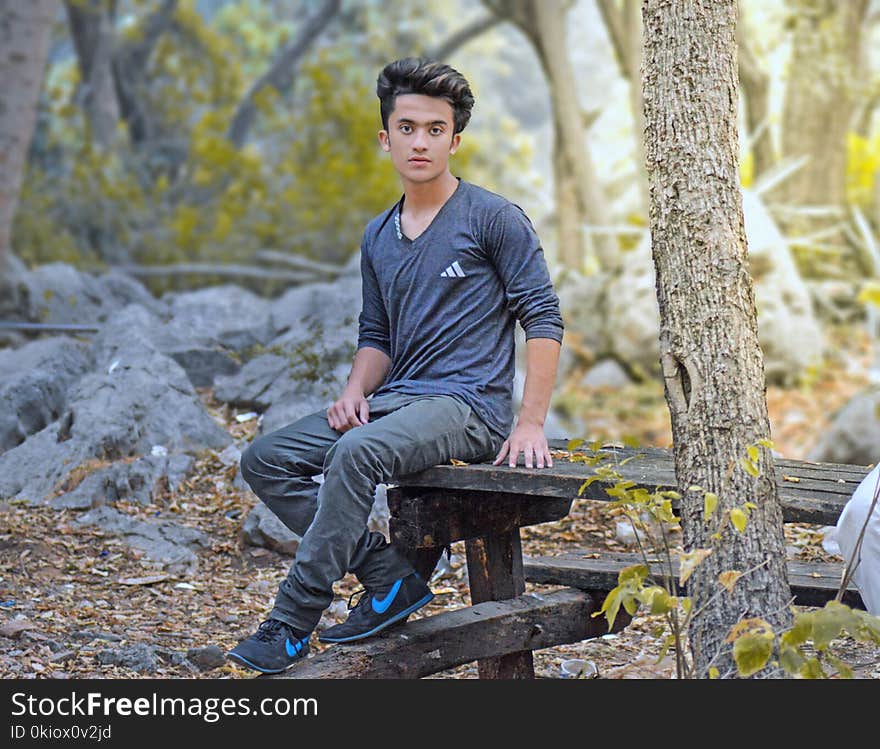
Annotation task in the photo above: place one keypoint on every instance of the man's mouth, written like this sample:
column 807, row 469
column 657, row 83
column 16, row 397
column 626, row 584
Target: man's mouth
column 420, row 160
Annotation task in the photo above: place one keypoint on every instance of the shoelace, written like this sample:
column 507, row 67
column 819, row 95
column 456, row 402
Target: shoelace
column 270, row 629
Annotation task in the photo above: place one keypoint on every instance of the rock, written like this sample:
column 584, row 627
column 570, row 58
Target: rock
column 59, row 293
column 136, row 399
column 169, row 544
column 853, row 434
column 34, row 382
column 138, row 657
column 263, row 528
column 207, row 657
column 259, row 383
column 229, row 315
column 607, row 374
column 14, row 628
column 789, row 332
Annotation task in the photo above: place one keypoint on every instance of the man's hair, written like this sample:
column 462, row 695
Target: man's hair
column 421, row 75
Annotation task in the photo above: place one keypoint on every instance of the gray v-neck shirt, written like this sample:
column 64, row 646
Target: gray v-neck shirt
column 444, row 306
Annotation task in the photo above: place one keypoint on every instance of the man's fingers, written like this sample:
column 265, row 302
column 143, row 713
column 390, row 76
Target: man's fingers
column 501, row 453
column 364, row 412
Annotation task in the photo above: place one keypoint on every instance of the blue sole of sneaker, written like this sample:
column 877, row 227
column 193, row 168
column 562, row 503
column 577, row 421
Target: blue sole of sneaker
column 255, row 667
column 396, row 618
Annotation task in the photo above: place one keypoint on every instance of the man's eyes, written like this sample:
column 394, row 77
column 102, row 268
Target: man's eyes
column 434, row 130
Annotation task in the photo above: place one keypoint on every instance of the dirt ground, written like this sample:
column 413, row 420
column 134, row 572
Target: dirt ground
column 69, row 594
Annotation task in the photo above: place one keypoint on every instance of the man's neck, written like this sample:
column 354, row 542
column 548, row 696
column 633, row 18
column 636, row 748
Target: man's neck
column 422, row 198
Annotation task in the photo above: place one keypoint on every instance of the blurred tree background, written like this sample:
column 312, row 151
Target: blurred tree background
column 195, row 142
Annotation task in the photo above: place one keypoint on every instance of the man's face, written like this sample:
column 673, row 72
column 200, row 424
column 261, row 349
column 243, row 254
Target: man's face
column 419, row 137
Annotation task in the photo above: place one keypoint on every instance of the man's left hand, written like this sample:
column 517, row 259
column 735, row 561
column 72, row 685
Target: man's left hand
column 529, row 440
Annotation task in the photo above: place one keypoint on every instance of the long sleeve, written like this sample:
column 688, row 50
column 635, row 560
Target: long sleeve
column 519, row 259
column 373, row 326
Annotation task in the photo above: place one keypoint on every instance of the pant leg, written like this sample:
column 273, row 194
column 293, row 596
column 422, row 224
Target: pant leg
column 420, row 432
column 280, row 466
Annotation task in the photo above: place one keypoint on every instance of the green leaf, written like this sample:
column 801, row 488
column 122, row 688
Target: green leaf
column 713, row 672
column 633, row 573
column 695, row 488
column 827, row 624
column 812, row 669
column 661, row 602
column 791, row 660
column 766, row 443
column 739, row 519
column 710, row 504
column 801, row 629
column 750, row 467
column 574, row 444
column 586, row 484
column 751, row 653
column 753, row 452
column 611, row 605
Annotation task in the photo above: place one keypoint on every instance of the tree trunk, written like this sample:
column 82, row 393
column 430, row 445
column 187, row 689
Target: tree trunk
column 819, row 105
column 579, row 197
column 755, row 83
column 711, row 360
column 624, row 27
column 92, row 29
column 24, row 44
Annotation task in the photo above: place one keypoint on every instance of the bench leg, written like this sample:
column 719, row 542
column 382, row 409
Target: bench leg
column 495, row 572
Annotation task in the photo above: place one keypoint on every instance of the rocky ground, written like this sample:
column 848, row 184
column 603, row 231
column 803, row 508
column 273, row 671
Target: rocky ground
column 78, row 602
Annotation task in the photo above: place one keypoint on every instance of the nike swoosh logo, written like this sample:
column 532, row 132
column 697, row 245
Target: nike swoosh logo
column 381, row 606
column 292, row 649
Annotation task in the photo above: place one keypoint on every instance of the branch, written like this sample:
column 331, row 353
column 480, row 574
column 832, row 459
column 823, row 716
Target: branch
column 281, row 73
column 128, row 69
column 463, row 36
column 615, row 26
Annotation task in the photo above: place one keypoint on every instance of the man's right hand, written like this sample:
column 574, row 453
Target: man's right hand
column 351, row 410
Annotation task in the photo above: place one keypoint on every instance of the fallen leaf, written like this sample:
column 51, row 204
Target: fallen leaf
column 457, row 462
column 147, row 580
column 793, row 479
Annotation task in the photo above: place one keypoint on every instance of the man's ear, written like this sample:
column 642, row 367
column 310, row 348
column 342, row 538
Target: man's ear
column 456, row 142
column 384, row 141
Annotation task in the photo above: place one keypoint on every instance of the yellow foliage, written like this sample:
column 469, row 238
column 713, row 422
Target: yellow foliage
column 863, row 163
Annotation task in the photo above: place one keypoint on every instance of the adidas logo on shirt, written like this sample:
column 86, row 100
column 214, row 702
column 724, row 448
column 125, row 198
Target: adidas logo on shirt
column 453, row 271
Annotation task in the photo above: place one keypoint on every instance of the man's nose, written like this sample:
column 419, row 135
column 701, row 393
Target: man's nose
column 420, row 142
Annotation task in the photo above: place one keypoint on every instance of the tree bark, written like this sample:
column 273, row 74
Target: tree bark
column 819, row 106
column 711, row 360
column 579, row 196
column 24, row 44
column 92, row 29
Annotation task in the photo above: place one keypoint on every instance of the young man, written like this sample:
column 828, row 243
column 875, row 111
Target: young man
column 447, row 271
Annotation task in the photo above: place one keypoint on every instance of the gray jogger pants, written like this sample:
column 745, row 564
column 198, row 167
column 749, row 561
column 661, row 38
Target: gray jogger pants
column 405, row 434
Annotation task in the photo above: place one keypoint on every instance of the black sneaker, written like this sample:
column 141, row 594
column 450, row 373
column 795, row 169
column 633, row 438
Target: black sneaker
column 380, row 608
column 273, row 648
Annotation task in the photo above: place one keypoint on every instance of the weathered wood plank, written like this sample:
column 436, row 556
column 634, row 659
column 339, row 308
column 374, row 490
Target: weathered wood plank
column 436, row 643
column 808, row 492
column 424, row 518
column 495, row 573
column 812, row 584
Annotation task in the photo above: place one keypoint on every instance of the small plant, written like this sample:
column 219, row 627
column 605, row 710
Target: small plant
column 656, row 584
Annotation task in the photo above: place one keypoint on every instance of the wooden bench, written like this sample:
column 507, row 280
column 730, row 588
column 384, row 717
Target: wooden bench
column 485, row 506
